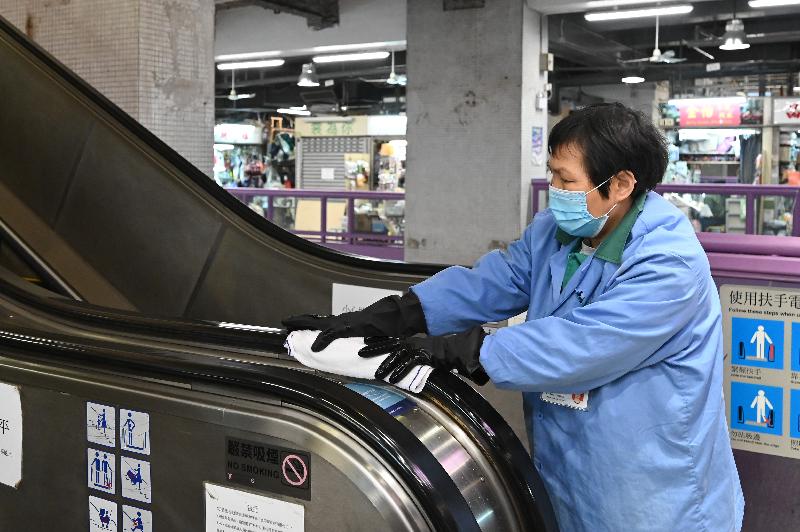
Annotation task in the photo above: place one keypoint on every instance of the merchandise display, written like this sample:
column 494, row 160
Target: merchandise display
column 390, row 165
column 722, row 140
column 238, row 166
column 245, row 156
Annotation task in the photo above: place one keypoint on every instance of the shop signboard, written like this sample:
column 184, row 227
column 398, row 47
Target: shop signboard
column 351, row 126
column 709, row 112
column 761, row 328
column 237, row 134
column 786, row 111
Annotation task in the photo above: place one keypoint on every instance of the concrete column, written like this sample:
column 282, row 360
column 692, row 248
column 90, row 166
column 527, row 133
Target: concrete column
column 154, row 59
column 473, row 81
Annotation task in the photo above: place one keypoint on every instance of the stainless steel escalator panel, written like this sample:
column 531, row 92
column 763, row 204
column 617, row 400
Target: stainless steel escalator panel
column 483, row 487
column 352, row 489
column 473, row 474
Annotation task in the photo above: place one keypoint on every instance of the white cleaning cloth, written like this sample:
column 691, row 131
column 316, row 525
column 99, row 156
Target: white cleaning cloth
column 341, row 357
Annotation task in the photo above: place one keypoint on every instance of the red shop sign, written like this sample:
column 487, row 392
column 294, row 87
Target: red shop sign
column 710, row 112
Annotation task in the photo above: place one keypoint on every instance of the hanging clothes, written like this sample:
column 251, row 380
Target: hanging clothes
column 750, row 148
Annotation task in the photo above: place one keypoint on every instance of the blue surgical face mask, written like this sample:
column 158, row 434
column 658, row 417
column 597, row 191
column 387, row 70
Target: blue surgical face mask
column 572, row 214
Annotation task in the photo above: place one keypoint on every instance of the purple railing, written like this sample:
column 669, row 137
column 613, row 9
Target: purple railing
column 363, row 243
column 750, row 192
column 731, row 255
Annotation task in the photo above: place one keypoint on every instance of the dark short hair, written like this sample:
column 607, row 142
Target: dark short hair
column 613, row 138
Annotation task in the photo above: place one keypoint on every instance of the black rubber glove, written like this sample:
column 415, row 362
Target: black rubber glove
column 459, row 351
column 390, row 316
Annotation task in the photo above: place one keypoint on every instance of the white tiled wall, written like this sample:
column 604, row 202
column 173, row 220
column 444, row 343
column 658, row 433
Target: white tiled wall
column 153, row 58
column 176, row 82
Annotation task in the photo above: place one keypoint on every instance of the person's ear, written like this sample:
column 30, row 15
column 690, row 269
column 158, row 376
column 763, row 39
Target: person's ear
column 622, row 186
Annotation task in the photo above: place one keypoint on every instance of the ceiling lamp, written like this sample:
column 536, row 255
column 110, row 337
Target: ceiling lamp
column 632, row 79
column 593, row 4
column 681, row 9
column 734, row 36
column 308, row 76
column 341, row 58
column 246, row 56
column 267, row 63
column 299, row 111
column 362, row 46
column 773, row 3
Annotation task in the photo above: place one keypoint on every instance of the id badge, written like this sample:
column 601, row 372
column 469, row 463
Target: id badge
column 577, row 401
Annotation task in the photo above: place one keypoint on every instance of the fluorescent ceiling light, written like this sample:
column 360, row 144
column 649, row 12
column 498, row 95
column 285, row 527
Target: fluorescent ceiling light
column 773, row 3
column 638, row 13
column 267, row 63
column 339, row 58
column 223, row 147
column 300, row 111
column 294, row 112
column 616, row 3
column 246, row 55
column 362, row 46
column 632, row 79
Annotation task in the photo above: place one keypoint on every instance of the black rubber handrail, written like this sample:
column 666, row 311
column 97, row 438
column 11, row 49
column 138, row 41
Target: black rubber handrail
column 133, row 322
column 511, row 458
column 115, row 114
column 50, row 279
column 432, row 487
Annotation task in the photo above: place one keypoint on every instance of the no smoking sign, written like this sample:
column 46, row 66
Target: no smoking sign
column 266, row 466
column 294, row 470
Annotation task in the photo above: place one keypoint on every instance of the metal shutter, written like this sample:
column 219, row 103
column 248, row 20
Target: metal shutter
column 316, row 153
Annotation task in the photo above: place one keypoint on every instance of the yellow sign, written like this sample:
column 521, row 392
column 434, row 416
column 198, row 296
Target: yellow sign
column 353, row 126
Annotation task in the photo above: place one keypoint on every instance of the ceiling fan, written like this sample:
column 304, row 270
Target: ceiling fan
column 667, row 57
column 233, row 96
column 394, row 79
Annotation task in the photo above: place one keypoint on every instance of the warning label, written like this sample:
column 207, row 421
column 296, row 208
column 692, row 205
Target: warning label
column 762, row 360
column 268, row 467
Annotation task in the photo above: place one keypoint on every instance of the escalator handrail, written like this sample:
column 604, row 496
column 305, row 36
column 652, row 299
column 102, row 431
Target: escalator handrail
column 448, row 391
column 134, row 322
column 51, row 279
column 432, row 487
column 515, row 464
column 200, row 179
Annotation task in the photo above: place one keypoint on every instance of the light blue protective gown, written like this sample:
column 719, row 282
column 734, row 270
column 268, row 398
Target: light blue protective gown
column 639, row 327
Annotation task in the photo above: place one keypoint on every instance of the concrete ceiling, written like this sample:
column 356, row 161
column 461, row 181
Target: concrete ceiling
column 590, row 52
column 320, row 14
column 586, row 53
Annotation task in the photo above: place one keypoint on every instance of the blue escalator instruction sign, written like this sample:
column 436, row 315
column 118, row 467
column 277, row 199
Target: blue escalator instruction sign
column 761, row 327
column 392, row 402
